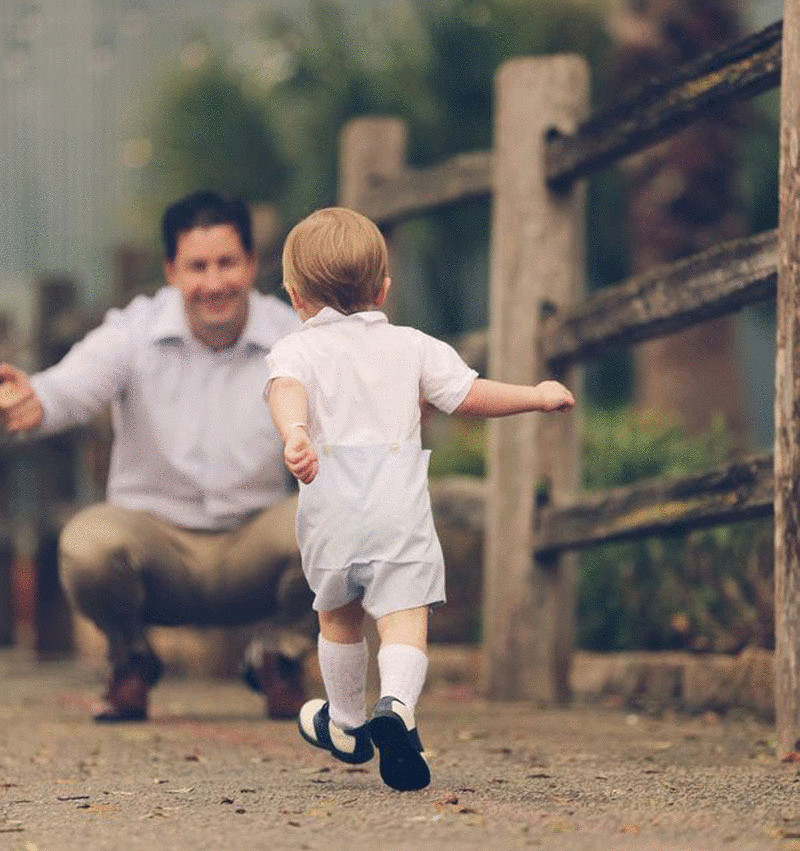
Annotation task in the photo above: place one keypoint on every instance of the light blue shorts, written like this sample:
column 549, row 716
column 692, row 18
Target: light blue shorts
column 384, row 587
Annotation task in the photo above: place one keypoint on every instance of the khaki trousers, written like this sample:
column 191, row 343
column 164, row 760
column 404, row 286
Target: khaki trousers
column 126, row 570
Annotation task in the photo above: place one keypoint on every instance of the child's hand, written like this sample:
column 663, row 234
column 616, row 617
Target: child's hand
column 299, row 455
column 554, row 396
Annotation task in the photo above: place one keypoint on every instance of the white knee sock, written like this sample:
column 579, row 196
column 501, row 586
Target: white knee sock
column 403, row 669
column 344, row 673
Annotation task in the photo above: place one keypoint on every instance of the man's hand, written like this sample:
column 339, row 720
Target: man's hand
column 554, row 396
column 20, row 408
column 299, row 455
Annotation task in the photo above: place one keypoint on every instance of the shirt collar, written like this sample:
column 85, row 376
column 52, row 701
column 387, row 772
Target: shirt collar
column 171, row 324
column 328, row 315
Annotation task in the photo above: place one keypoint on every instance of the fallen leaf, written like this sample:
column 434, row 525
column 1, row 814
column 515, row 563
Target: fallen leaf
column 469, row 735
column 559, row 825
column 101, row 809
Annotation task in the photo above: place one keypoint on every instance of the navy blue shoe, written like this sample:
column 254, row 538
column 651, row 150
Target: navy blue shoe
column 316, row 727
column 402, row 759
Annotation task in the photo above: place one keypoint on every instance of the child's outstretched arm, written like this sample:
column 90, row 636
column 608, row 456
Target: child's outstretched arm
column 487, row 398
column 288, row 405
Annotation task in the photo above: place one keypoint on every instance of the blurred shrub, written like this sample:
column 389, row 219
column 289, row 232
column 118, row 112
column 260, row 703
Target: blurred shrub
column 710, row 590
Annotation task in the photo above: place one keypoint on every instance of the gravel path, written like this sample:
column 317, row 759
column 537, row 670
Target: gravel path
column 209, row 772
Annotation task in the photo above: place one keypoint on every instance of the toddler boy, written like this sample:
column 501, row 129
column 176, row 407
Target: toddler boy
column 345, row 394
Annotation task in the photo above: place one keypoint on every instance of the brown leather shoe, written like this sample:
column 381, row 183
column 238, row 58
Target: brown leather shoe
column 279, row 679
column 128, row 690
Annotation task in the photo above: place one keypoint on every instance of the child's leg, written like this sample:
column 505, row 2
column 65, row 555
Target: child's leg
column 343, row 664
column 403, row 664
column 403, row 659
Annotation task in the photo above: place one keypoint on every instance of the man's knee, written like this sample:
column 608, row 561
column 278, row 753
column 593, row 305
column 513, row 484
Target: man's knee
column 90, row 548
column 293, row 597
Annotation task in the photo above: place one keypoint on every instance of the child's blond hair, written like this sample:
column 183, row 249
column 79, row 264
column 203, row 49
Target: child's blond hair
column 336, row 257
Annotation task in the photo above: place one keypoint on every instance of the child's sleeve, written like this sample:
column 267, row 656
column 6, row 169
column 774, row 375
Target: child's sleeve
column 285, row 360
column 445, row 379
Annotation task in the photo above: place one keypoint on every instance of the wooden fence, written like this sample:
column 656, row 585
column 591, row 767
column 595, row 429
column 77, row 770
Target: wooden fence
column 541, row 324
column 41, row 479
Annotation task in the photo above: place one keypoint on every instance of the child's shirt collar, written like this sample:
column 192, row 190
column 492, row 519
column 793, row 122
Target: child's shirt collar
column 328, row 315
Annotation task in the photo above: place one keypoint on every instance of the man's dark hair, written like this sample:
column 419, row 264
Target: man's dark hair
column 205, row 209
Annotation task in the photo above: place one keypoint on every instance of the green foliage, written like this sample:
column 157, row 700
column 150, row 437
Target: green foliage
column 211, row 132
column 708, row 590
column 462, row 452
column 430, row 63
column 621, row 447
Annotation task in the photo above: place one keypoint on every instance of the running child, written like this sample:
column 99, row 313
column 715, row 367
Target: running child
column 345, row 393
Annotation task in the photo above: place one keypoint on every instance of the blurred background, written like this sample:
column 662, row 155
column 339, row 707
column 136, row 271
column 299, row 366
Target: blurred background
column 110, row 109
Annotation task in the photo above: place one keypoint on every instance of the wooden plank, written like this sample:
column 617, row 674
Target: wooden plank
column 741, row 490
column 667, row 299
column 787, row 400
column 721, row 280
column 656, row 110
column 390, row 199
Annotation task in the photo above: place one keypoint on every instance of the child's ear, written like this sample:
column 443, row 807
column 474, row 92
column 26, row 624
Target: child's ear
column 379, row 301
column 297, row 303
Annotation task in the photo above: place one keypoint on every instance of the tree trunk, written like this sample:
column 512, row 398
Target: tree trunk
column 682, row 199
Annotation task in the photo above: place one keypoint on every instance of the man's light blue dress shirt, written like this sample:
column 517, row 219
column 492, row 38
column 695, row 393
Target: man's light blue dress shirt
column 193, row 440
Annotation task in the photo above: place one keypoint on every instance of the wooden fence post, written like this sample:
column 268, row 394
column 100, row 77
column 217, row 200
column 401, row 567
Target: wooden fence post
column 369, row 148
column 536, row 259
column 787, row 399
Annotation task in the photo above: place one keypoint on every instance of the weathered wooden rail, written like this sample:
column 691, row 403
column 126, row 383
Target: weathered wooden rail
column 659, row 108
column 545, row 141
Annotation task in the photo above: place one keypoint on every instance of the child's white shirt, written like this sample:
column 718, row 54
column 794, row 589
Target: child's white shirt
column 369, row 503
column 364, row 377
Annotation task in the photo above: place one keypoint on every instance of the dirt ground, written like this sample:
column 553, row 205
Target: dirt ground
column 209, row 772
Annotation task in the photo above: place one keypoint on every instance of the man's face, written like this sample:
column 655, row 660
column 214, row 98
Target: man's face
column 214, row 275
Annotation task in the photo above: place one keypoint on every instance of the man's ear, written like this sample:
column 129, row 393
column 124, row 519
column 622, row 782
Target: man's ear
column 169, row 271
column 379, row 301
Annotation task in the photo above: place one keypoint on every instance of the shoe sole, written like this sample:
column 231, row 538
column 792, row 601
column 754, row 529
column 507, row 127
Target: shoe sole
column 402, row 766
